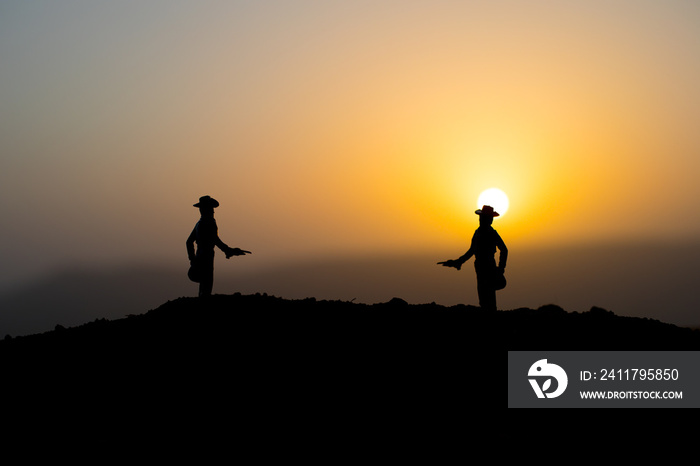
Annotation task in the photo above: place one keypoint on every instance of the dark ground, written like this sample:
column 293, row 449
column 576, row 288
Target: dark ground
column 262, row 357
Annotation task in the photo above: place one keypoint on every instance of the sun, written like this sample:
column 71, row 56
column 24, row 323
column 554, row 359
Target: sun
column 495, row 198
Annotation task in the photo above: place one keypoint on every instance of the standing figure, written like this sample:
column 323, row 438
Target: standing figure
column 489, row 277
column 206, row 235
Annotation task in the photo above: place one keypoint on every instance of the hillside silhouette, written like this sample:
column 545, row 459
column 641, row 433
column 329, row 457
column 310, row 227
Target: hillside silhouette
column 265, row 355
column 72, row 296
column 339, row 325
column 266, row 364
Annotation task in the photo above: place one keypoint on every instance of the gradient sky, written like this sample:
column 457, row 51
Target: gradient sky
column 342, row 127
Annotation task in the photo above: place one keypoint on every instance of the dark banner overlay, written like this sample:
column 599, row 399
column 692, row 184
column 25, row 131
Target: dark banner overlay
column 604, row 379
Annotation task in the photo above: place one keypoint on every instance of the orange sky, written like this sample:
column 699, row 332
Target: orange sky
column 336, row 128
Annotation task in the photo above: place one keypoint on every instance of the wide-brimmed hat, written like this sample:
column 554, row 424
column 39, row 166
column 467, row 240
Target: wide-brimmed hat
column 488, row 211
column 206, row 201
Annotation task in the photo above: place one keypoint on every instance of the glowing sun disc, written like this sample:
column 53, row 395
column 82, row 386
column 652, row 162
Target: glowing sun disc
column 495, row 198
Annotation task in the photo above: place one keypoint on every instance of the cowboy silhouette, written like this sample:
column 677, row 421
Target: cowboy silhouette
column 206, row 235
column 489, row 277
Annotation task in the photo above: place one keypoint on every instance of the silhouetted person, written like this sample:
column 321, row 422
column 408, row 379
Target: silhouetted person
column 206, row 235
column 489, row 277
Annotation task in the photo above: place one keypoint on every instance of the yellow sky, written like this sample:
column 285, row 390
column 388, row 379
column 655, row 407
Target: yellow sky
column 343, row 127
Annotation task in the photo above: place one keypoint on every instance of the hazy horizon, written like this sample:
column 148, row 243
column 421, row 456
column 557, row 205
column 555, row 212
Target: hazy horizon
column 571, row 278
column 348, row 129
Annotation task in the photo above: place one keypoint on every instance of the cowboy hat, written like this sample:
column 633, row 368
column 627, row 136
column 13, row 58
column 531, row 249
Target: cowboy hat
column 194, row 273
column 487, row 210
column 206, row 201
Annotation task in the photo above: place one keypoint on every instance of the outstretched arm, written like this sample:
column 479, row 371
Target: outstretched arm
column 228, row 250
column 457, row 263
column 220, row 244
column 236, row 252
